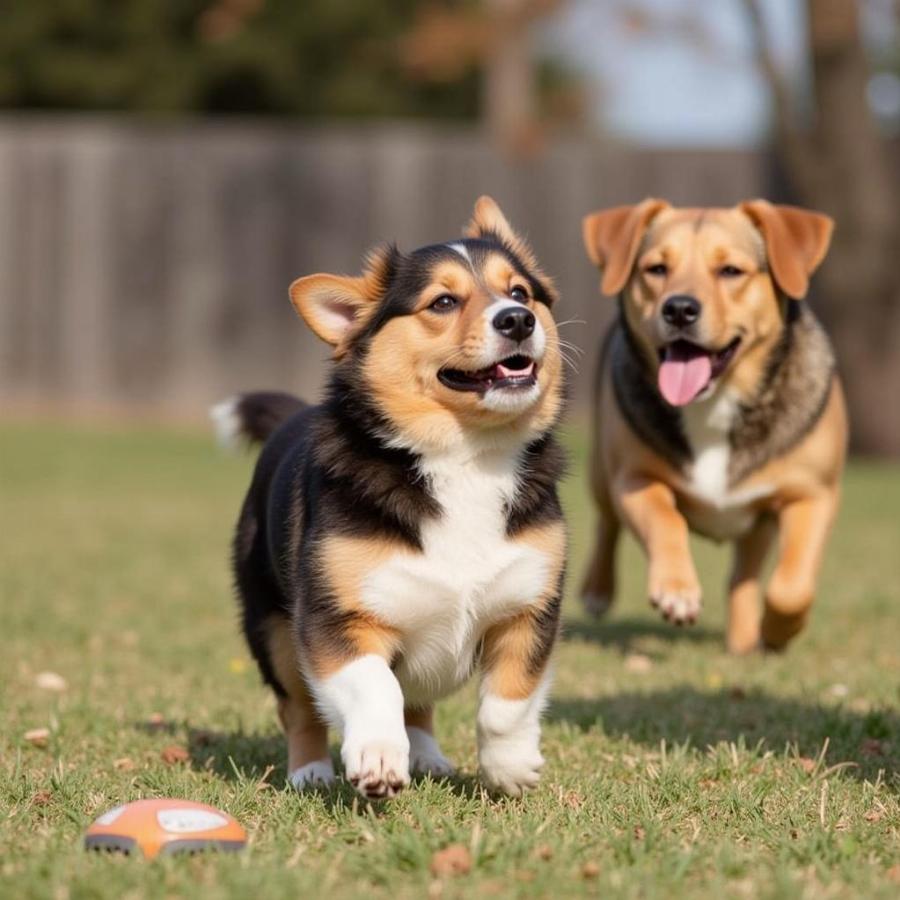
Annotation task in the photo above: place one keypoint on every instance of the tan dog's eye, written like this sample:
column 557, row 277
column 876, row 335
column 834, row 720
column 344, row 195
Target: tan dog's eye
column 519, row 293
column 730, row 272
column 444, row 304
column 660, row 269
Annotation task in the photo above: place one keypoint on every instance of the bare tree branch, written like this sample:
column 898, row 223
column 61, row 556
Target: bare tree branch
column 796, row 145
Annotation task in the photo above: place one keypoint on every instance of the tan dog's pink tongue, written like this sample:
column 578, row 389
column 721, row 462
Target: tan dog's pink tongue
column 684, row 372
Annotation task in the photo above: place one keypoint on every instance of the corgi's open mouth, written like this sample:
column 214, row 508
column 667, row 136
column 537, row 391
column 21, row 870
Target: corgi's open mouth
column 686, row 370
column 513, row 372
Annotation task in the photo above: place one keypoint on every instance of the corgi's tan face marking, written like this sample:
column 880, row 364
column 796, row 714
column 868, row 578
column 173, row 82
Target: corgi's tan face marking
column 406, row 356
column 449, row 338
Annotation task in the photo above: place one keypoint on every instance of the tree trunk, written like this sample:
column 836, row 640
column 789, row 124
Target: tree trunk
column 842, row 165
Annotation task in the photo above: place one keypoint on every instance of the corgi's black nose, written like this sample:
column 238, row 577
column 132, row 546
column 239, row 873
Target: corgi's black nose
column 515, row 322
column 681, row 310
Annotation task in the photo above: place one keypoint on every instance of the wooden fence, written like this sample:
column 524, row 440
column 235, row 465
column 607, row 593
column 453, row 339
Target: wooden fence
column 144, row 267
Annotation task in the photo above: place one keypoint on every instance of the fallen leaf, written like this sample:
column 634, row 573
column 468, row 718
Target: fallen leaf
column 124, row 764
column 51, row 681
column 808, row 765
column 452, row 860
column 174, row 754
column 41, row 798
column 38, row 736
column 545, row 852
column 573, row 800
column 893, row 873
column 590, row 870
column 874, row 815
column 638, row 663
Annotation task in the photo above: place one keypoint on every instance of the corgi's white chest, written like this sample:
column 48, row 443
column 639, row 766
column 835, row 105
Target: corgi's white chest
column 715, row 509
column 469, row 576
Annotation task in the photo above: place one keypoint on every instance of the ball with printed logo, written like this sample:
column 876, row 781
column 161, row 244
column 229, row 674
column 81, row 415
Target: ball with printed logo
column 161, row 827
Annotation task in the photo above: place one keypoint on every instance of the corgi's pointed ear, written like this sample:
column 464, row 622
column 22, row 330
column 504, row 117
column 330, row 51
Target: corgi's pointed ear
column 489, row 222
column 337, row 306
column 488, row 219
column 796, row 242
column 612, row 238
column 332, row 305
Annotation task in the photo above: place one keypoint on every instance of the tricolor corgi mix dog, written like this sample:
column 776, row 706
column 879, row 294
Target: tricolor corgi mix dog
column 718, row 407
column 407, row 530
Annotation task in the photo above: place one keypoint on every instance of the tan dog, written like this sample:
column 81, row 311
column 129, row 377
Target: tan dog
column 718, row 407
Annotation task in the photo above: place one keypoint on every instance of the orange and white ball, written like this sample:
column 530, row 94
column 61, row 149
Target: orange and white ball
column 162, row 827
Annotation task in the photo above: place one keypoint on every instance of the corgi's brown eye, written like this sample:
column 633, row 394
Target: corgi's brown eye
column 519, row 294
column 730, row 272
column 444, row 303
column 657, row 269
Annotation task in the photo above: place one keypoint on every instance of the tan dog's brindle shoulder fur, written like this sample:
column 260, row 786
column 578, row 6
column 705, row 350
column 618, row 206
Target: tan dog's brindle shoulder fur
column 718, row 407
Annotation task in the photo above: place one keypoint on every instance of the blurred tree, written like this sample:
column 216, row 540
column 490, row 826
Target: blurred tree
column 837, row 160
column 519, row 91
column 304, row 57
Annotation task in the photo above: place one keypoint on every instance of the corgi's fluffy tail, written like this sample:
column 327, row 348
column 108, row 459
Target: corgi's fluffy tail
column 250, row 418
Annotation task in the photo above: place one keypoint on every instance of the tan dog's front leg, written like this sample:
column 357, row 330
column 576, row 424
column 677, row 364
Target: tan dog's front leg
column 750, row 552
column 803, row 531
column 598, row 587
column 648, row 507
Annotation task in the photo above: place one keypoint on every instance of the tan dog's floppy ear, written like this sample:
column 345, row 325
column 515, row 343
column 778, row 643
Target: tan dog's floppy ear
column 796, row 242
column 612, row 238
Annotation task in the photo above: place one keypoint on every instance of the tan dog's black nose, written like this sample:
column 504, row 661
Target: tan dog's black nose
column 515, row 322
column 681, row 310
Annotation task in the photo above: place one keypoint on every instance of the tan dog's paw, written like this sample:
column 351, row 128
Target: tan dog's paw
column 596, row 605
column 679, row 601
column 377, row 769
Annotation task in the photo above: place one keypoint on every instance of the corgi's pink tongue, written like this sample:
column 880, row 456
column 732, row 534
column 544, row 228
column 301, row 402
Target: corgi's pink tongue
column 503, row 372
column 683, row 373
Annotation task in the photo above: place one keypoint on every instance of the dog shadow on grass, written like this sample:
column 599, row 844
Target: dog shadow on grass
column 869, row 741
column 238, row 756
column 625, row 634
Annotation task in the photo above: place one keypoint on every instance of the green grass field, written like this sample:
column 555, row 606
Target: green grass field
column 672, row 769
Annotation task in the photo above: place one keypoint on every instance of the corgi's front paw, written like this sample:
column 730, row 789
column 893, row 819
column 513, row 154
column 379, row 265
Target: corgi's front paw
column 425, row 757
column 377, row 768
column 319, row 773
column 510, row 765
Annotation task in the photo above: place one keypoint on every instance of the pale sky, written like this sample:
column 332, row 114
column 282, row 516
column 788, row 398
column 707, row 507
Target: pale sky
column 660, row 88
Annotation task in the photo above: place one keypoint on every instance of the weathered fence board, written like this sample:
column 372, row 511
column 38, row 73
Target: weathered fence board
column 145, row 267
